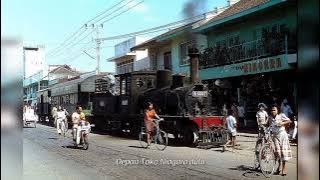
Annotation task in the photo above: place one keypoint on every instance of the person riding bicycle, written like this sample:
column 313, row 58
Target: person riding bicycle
column 61, row 117
column 278, row 121
column 149, row 116
column 77, row 118
column 262, row 118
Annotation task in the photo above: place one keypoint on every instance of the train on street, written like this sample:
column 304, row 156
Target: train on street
column 185, row 107
column 68, row 94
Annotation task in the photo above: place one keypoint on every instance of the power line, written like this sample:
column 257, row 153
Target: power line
column 63, row 45
column 79, row 30
column 112, row 12
column 122, row 12
column 69, row 48
column 105, row 11
column 144, row 32
column 155, row 29
column 97, row 40
column 72, row 58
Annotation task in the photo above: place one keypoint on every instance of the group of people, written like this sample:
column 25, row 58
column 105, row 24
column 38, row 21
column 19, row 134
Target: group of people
column 262, row 118
column 60, row 114
column 29, row 113
column 278, row 121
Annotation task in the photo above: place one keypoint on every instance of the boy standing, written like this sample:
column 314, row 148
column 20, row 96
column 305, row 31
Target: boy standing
column 232, row 129
column 262, row 118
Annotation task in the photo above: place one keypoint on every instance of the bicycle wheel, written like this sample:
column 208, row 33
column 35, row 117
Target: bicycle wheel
column 256, row 163
column 63, row 131
column 161, row 140
column 85, row 142
column 143, row 139
column 65, row 127
column 267, row 160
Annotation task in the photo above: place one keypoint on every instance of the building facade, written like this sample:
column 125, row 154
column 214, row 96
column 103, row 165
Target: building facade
column 251, row 55
column 170, row 50
column 43, row 79
column 128, row 61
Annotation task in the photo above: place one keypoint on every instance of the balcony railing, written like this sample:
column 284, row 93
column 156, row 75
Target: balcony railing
column 217, row 56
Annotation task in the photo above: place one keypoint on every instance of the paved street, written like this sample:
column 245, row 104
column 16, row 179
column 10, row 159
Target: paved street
column 48, row 156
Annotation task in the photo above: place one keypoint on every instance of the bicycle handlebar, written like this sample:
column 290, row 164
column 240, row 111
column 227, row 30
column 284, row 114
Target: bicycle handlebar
column 158, row 120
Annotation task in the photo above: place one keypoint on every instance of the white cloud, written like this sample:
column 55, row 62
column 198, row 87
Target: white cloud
column 141, row 8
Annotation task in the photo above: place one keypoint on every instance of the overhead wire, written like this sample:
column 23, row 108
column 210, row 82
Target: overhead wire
column 119, row 8
column 123, row 12
column 66, row 50
column 59, row 48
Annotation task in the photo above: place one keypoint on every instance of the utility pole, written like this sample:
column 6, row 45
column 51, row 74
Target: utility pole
column 98, row 43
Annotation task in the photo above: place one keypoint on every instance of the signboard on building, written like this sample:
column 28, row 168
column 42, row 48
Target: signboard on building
column 257, row 66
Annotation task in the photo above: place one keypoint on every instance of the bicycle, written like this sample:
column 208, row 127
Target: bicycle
column 259, row 143
column 268, row 155
column 160, row 139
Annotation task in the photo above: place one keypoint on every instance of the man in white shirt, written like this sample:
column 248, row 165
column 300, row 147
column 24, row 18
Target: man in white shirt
column 61, row 118
column 232, row 128
column 76, row 120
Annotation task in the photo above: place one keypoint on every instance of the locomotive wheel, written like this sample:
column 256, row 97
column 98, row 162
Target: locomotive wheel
column 190, row 136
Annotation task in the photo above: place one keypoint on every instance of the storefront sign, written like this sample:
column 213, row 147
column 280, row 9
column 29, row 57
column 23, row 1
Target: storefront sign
column 259, row 66
column 275, row 63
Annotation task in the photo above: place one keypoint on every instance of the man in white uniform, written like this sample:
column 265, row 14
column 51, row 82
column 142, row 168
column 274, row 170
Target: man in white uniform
column 75, row 121
column 61, row 116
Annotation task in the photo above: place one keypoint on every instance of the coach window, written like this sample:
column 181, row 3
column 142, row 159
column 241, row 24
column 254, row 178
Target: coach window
column 67, row 99
column 123, row 87
column 71, row 99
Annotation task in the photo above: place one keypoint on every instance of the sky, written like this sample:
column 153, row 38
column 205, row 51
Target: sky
column 51, row 22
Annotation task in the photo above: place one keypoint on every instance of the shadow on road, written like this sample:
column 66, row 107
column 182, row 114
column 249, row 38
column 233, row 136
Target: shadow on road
column 54, row 138
column 73, row 147
column 28, row 127
column 249, row 171
column 139, row 147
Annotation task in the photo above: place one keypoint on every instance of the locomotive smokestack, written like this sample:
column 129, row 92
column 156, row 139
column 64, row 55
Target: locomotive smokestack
column 193, row 53
column 164, row 78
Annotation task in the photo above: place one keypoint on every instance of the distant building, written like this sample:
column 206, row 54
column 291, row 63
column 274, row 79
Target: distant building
column 33, row 60
column 127, row 60
column 44, row 78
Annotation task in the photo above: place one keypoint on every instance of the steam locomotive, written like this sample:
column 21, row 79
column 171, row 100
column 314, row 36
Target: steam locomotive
column 185, row 107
